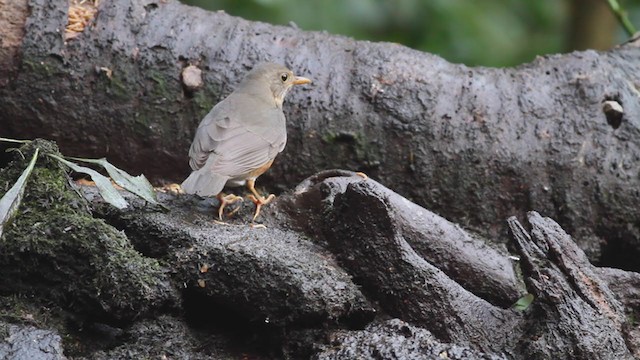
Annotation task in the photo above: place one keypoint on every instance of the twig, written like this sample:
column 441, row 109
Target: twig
column 622, row 16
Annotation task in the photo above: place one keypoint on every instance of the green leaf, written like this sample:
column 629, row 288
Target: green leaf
column 106, row 189
column 138, row 185
column 523, row 303
column 11, row 200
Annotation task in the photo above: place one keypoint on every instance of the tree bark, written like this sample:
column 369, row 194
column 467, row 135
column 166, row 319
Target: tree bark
column 568, row 290
column 345, row 268
column 463, row 256
column 475, row 145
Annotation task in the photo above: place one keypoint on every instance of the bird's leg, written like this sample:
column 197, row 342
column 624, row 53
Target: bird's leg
column 226, row 200
column 256, row 198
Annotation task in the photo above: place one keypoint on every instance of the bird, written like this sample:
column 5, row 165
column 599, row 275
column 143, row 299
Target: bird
column 238, row 140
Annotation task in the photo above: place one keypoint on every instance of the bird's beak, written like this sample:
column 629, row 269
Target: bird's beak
column 301, row 80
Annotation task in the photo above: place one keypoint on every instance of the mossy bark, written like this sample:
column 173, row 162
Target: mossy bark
column 56, row 250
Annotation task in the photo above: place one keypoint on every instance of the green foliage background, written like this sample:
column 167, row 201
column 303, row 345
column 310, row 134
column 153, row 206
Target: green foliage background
column 474, row 32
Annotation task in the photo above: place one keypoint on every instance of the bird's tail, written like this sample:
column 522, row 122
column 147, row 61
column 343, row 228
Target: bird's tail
column 204, row 183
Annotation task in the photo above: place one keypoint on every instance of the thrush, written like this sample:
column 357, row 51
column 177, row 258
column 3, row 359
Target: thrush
column 240, row 137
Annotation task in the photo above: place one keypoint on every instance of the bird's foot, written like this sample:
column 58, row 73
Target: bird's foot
column 174, row 189
column 259, row 201
column 362, row 175
column 226, row 200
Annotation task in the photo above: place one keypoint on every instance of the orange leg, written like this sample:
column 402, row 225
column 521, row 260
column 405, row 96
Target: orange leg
column 256, row 198
column 226, row 200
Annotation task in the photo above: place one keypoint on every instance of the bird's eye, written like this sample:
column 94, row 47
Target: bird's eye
column 284, row 77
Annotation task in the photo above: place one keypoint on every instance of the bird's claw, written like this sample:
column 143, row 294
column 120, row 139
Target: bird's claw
column 226, row 200
column 259, row 201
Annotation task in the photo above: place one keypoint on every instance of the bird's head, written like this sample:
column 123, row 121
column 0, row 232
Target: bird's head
column 277, row 78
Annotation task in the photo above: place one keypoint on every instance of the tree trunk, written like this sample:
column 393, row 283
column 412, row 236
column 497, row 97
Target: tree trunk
column 592, row 25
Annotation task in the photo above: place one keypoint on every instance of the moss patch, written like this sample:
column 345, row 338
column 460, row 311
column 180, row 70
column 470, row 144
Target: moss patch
column 350, row 145
column 204, row 100
column 45, row 68
column 56, row 250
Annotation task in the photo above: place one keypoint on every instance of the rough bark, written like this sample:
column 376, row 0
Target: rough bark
column 367, row 240
column 395, row 339
column 270, row 277
column 578, row 316
column 29, row 342
column 463, row 256
column 475, row 145
column 276, row 277
column 345, row 268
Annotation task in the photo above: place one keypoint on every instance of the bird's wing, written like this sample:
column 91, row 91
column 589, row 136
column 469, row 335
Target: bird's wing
column 250, row 147
column 242, row 141
column 212, row 129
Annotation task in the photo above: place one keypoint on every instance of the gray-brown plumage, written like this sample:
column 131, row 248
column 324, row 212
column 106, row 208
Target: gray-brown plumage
column 239, row 138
